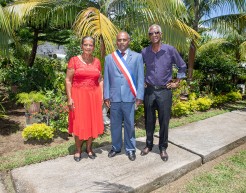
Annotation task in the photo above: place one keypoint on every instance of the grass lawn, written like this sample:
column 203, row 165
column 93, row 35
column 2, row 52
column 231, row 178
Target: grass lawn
column 228, row 176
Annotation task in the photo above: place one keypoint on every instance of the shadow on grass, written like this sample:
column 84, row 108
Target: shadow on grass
column 71, row 149
column 240, row 105
column 63, row 135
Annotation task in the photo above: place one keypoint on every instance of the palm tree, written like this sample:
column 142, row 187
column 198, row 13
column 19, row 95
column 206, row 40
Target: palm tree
column 234, row 31
column 93, row 21
column 198, row 9
column 40, row 15
column 5, row 31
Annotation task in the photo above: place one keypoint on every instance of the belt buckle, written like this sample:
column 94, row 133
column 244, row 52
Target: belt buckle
column 156, row 87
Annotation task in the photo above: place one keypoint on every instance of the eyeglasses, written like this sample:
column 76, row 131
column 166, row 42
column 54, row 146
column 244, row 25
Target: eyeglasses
column 152, row 33
column 122, row 40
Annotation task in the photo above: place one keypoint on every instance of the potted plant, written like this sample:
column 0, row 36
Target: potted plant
column 31, row 101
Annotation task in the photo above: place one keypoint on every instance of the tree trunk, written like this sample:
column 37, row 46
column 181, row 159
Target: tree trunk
column 238, row 56
column 192, row 50
column 102, row 47
column 191, row 60
column 34, row 48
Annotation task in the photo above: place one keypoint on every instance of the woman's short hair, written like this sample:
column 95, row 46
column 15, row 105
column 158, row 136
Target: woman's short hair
column 88, row 37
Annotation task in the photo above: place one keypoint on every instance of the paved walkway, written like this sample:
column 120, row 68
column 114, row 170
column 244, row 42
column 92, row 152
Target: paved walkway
column 190, row 146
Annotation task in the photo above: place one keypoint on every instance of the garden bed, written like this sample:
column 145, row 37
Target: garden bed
column 10, row 132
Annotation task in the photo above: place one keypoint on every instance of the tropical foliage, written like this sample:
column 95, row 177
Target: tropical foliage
column 93, row 21
column 216, row 60
column 200, row 10
column 40, row 14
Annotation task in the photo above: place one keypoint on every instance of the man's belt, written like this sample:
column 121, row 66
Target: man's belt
column 156, row 87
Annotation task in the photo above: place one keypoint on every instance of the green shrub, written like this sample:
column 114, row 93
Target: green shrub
column 28, row 98
column 2, row 111
column 55, row 111
column 193, row 105
column 38, row 131
column 216, row 60
column 192, row 96
column 234, row 96
column 139, row 112
column 180, row 109
column 219, row 100
column 203, row 103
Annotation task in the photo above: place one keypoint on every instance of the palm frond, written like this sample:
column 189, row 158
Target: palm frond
column 231, row 22
column 5, row 32
column 93, row 23
column 143, row 13
column 175, row 31
column 20, row 9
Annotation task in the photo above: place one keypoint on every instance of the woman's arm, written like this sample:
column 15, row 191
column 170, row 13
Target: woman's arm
column 101, row 84
column 68, row 82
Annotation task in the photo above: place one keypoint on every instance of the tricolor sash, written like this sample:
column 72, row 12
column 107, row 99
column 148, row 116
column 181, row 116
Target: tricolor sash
column 125, row 70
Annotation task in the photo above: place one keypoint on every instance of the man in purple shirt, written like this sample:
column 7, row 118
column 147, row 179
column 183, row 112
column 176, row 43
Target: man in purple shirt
column 159, row 59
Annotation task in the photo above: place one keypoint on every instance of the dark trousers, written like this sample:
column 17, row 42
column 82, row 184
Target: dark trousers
column 122, row 111
column 160, row 100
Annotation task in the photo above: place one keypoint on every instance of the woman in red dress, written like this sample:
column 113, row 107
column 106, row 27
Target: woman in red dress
column 84, row 93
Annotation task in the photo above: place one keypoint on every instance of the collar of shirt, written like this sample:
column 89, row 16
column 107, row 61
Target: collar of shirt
column 162, row 48
column 126, row 53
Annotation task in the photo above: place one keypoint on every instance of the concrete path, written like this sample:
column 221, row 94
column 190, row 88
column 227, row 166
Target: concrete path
column 2, row 188
column 189, row 147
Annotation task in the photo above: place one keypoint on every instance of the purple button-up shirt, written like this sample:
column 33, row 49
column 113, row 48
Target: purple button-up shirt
column 159, row 66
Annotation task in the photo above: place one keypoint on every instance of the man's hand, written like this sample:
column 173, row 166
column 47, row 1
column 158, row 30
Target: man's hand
column 138, row 102
column 173, row 85
column 107, row 102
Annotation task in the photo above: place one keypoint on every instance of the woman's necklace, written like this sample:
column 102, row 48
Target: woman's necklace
column 87, row 60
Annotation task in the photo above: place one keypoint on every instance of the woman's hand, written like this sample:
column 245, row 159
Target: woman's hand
column 70, row 104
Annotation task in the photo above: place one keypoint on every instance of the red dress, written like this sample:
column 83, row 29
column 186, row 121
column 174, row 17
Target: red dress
column 86, row 119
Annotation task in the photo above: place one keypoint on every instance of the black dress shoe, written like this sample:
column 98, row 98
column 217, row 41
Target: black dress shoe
column 131, row 155
column 77, row 159
column 113, row 153
column 91, row 154
column 145, row 151
column 164, row 155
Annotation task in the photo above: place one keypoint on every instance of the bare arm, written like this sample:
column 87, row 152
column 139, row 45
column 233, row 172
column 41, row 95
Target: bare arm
column 69, row 78
column 101, row 84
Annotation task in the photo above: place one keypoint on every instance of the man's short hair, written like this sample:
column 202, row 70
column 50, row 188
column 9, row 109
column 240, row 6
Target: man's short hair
column 126, row 33
column 155, row 25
